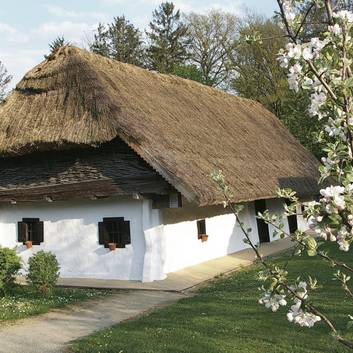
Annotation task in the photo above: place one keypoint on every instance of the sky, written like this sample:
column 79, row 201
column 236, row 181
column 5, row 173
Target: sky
column 27, row 26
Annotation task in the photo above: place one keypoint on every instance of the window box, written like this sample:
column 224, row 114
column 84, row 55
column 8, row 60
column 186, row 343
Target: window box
column 203, row 237
column 28, row 244
column 112, row 246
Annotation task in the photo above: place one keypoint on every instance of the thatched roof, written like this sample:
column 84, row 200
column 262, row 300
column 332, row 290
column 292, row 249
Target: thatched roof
column 182, row 129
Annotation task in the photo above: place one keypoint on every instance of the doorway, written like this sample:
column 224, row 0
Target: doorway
column 262, row 227
column 292, row 222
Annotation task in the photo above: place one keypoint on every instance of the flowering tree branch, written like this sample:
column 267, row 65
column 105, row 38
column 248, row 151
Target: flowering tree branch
column 322, row 67
column 276, row 298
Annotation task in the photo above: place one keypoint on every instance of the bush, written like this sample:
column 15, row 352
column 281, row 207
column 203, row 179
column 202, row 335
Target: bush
column 43, row 271
column 10, row 264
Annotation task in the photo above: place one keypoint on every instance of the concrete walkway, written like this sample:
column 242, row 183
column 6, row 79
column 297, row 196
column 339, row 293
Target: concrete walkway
column 53, row 332
column 189, row 277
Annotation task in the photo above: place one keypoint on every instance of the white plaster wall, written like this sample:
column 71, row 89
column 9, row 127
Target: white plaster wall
column 71, row 233
column 179, row 247
column 158, row 246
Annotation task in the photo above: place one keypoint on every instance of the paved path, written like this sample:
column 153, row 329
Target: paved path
column 52, row 332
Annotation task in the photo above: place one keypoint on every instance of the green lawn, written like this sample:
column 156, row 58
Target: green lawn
column 23, row 301
column 225, row 317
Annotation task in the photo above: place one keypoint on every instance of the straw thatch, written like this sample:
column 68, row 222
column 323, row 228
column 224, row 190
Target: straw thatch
column 184, row 130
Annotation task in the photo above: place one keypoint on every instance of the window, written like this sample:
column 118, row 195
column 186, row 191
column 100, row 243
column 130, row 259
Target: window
column 114, row 230
column 201, row 228
column 31, row 229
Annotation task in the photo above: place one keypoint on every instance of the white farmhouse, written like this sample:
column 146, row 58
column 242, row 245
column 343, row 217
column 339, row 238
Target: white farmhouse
column 108, row 166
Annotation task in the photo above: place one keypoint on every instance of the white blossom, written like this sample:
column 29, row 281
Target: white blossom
column 294, row 51
column 342, row 239
column 308, row 53
column 317, row 85
column 317, row 44
column 332, row 191
column 332, row 195
column 312, row 203
column 296, row 69
column 328, row 162
column 288, row 11
column 302, row 290
column 273, row 301
column 344, row 15
column 325, row 233
column 350, row 220
column 335, row 29
column 293, row 77
column 283, row 59
column 314, row 221
column 300, row 317
column 334, row 131
column 317, row 100
column 293, row 83
column 343, row 244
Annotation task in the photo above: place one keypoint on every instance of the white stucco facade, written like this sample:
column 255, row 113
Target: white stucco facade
column 160, row 243
column 71, row 233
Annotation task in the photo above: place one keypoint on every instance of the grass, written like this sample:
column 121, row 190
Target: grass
column 22, row 301
column 224, row 317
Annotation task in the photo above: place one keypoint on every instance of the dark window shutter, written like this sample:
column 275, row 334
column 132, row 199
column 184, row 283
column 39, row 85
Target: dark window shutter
column 40, row 232
column 125, row 234
column 37, row 232
column 22, row 232
column 103, row 235
column 201, row 228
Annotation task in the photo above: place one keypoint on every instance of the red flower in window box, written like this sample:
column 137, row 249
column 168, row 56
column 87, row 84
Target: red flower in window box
column 28, row 244
column 112, row 246
column 204, row 237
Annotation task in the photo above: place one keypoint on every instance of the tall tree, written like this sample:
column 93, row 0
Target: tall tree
column 190, row 72
column 211, row 37
column 5, row 79
column 100, row 45
column 260, row 77
column 55, row 45
column 119, row 40
column 167, row 37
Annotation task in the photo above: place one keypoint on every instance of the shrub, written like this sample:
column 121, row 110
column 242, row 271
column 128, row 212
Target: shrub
column 10, row 264
column 43, row 271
